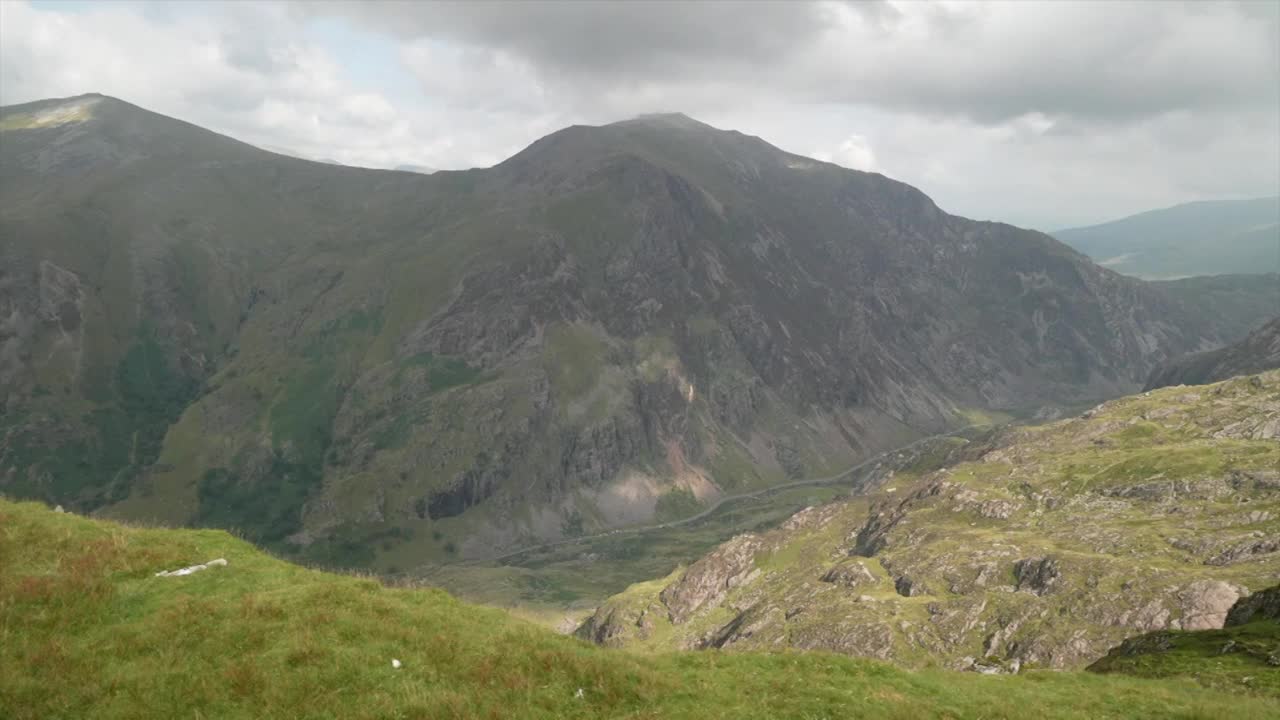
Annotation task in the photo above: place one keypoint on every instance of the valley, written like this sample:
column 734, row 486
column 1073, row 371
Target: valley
column 568, row 578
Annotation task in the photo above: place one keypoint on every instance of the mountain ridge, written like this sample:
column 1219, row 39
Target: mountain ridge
column 1195, row 238
column 378, row 367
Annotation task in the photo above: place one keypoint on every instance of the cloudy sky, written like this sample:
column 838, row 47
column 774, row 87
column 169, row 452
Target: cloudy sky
column 1039, row 113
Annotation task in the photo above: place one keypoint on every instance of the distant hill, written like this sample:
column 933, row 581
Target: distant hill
column 1198, row 238
column 1235, row 305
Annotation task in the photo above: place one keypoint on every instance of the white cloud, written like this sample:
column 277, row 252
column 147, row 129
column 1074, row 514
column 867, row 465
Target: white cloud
column 855, row 153
column 249, row 71
column 1040, row 113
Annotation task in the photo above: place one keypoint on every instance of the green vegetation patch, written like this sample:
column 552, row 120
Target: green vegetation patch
column 94, row 459
column 443, row 372
column 574, row 357
column 266, row 509
column 675, row 504
column 1244, row 657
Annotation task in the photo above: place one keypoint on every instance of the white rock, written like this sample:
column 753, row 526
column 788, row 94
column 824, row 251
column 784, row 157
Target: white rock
column 395, row 663
column 191, row 568
column 59, row 509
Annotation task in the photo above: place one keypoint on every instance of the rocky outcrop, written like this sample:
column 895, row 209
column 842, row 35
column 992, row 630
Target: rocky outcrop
column 875, row 534
column 708, row 580
column 906, row 586
column 1261, row 605
column 613, row 628
column 849, row 575
column 1205, row 604
column 1246, row 550
column 1037, row 575
column 1119, row 524
column 1209, row 639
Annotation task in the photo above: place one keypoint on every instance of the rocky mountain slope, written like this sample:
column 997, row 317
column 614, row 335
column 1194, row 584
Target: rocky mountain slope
column 1235, row 305
column 375, row 367
column 1258, row 352
column 259, row 638
column 1049, row 546
column 1197, row 238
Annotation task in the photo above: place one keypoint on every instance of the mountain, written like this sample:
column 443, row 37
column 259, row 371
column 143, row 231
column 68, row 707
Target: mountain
column 1233, row 304
column 1042, row 546
column 382, row 369
column 1198, row 238
column 1258, row 352
column 259, row 638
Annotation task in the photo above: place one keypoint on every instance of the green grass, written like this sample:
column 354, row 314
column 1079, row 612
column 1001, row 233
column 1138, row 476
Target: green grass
column 443, row 372
column 1215, row 658
column 675, row 504
column 94, row 459
column 574, row 357
column 86, row 630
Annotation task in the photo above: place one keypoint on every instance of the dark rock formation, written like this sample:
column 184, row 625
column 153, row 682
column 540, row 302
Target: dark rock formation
column 1262, row 605
column 1258, row 352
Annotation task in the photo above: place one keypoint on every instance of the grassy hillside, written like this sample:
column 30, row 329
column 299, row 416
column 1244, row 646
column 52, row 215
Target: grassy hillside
column 88, row 630
column 1048, row 546
column 1228, row 658
column 1197, row 238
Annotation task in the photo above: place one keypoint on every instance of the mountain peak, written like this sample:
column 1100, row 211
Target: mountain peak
column 50, row 113
column 664, row 118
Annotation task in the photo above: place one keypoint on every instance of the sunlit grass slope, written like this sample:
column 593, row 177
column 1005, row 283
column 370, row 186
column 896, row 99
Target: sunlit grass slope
column 87, row 630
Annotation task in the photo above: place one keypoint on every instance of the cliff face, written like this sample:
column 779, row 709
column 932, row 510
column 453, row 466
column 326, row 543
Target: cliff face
column 1258, row 352
column 380, row 368
column 1050, row 545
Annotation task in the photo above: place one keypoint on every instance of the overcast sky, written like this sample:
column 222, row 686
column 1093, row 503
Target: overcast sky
column 1037, row 113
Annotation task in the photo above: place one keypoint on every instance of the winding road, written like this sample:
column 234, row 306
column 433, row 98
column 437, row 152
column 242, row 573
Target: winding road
column 720, row 502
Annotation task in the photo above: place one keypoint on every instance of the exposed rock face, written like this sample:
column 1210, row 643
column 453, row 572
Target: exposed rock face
column 907, row 587
column 1258, row 352
column 849, row 575
column 1037, row 575
column 1205, row 604
column 1132, row 519
column 1246, row 550
column 708, row 580
column 1262, row 605
column 1248, row 645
